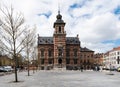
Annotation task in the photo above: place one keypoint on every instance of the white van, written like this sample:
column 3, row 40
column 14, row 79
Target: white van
column 8, row 68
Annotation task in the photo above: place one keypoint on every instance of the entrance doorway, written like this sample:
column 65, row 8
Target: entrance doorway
column 60, row 61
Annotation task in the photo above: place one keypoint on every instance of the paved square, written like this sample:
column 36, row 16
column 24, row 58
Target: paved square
column 59, row 78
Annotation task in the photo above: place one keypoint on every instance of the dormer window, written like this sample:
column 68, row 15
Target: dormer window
column 59, row 29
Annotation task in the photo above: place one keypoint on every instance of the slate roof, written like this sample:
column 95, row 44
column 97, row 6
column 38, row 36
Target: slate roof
column 85, row 50
column 72, row 40
column 59, row 21
column 49, row 40
column 45, row 40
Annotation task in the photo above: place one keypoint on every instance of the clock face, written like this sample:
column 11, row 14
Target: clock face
column 60, row 38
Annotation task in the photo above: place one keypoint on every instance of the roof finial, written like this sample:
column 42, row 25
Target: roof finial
column 58, row 7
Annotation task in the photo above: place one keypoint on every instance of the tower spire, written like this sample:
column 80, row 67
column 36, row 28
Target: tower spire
column 59, row 20
column 58, row 8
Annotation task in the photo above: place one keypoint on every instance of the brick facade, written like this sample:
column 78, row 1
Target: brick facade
column 59, row 50
column 87, row 58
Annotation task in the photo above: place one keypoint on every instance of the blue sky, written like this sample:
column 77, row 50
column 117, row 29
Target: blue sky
column 47, row 15
column 116, row 42
column 117, row 10
column 96, row 21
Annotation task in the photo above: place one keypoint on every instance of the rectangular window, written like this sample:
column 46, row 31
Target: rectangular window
column 50, row 61
column 84, row 56
column 49, row 53
column 67, row 61
column 75, row 61
column 42, row 61
column 91, row 55
column 67, row 53
column 118, row 53
column 118, row 60
column 81, row 56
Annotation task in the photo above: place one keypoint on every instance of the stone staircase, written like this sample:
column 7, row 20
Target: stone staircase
column 59, row 67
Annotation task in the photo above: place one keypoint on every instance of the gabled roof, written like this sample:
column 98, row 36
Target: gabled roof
column 116, row 49
column 85, row 50
column 49, row 40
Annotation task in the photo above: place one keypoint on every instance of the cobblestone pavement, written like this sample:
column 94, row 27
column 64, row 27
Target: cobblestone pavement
column 59, row 78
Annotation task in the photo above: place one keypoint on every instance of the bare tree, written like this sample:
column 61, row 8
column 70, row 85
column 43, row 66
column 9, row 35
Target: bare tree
column 29, row 44
column 12, row 33
column 34, row 57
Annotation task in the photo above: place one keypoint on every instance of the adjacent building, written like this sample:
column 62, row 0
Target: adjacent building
column 6, row 61
column 98, row 59
column 87, row 58
column 112, row 58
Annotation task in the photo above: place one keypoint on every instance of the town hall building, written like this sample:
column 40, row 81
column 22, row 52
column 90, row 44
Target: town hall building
column 60, row 51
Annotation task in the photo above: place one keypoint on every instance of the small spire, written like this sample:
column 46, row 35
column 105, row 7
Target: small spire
column 58, row 11
column 58, row 8
column 59, row 16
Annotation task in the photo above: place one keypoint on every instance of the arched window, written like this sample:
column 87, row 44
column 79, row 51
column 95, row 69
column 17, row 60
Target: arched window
column 60, row 53
column 42, row 52
column 75, row 52
column 42, row 61
column 59, row 29
column 49, row 52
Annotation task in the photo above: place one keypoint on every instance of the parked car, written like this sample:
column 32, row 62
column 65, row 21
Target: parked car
column 1, row 69
column 118, row 69
column 6, row 69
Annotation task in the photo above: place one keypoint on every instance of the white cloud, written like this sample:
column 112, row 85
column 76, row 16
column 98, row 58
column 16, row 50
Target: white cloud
column 98, row 47
column 94, row 21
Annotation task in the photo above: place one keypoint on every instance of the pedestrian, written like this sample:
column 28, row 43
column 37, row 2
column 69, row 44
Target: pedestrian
column 81, row 68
